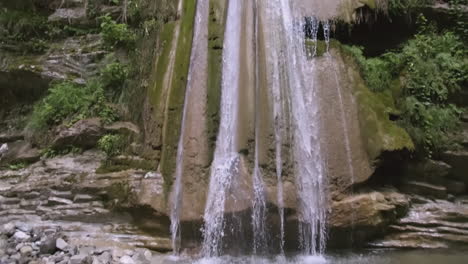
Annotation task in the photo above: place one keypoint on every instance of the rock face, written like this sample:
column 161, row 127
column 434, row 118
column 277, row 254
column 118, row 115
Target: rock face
column 430, row 224
column 459, row 162
column 360, row 217
column 24, row 78
column 65, row 194
column 19, row 152
column 84, row 133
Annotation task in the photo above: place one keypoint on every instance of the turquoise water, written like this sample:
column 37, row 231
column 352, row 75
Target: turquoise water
column 364, row 257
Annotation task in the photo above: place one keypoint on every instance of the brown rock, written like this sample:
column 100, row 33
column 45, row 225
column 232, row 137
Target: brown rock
column 422, row 188
column 357, row 218
column 459, row 162
column 20, row 152
column 84, row 133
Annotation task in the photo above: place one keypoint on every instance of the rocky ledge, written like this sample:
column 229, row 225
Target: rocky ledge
column 62, row 200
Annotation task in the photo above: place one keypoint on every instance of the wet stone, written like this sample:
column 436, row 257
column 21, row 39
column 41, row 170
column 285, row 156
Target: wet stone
column 58, row 201
column 26, row 250
column 61, row 244
column 126, row 260
column 20, row 235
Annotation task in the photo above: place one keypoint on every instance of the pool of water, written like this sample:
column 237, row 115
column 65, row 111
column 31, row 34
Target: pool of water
column 363, row 257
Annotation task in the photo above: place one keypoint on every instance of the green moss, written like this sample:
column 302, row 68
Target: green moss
column 215, row 61
column 177, row 92
column 119, row 195
column 115, row 165
column 378, row 131
column 162, row 62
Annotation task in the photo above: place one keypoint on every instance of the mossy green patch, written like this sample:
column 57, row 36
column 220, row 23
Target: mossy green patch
column 378, row 131
column 119, row 195
column 118, row 164
column 177, row 93
column 166, row 36
column 215, row 61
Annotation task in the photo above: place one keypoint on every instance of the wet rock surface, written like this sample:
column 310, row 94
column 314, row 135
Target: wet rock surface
column 363, row 216
column 430, row 224
column 60, row 211
column 84, row 133
column 46, row 245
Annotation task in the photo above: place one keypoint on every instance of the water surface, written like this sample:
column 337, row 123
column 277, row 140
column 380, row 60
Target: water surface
column 364, row 257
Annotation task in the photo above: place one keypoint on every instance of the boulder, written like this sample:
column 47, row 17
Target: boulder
column 10, row 137
column 360, row 217
column 20, row 152
column 459, row 162
column 426, row 189
column 84, row 134
column 73, row 16
column 429, row 170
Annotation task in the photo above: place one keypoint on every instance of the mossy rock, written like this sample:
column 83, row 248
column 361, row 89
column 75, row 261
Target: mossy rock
column 122, row 163
column 380, row 134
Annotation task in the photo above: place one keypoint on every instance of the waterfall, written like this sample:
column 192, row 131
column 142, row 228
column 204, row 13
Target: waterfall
column 308, row 168
column 192, row 112
column 259, row 203
column 226, row 162
column 296, row 121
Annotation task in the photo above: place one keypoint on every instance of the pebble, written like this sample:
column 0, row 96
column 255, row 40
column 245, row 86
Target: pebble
column 8, row 229
column 77, row 259
column 126, row 260
column 20, row 235
column 26, row 250
column 61, row 244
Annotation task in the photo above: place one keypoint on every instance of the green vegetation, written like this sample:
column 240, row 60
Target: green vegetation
column 177, row 92
column 51, row 153
column 405, row 7
column 68, row 101
column 422, row 77
column 116, row 34
column 458, row 11
column 114, row 75
column 17, row 166
column 111, row 144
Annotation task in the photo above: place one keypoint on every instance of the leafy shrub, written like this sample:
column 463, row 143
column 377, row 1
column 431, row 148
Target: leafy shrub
column 405, row 7
column 22, row 25
column 70, row 101
column 432, row 67
column 458, row 11
column 111, row 144
column 17, row 166
column 116, row 34
column 114, row 75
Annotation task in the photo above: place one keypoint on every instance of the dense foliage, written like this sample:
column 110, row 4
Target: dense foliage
column 111, row 144
column 423, row 76
column 68, row 101
column 116, row 34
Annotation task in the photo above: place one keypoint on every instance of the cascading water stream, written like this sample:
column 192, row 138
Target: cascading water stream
column 226, row 162
column 295, row 100
column 198, row 61
column 259, row 203
column 308, row 167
